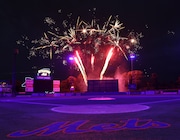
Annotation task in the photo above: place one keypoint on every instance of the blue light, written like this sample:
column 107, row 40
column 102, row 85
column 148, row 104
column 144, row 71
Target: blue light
column 71, row 58
column 132, row 56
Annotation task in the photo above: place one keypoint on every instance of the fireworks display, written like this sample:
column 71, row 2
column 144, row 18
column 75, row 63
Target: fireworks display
column 92, row 43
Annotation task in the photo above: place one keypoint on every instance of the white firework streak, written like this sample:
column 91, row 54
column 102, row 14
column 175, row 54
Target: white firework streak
column 106, row 63
column 92, row 61
column 79, row 58
column 114, row 32
column 81, row 68
column 117, row 26
column 123, row 52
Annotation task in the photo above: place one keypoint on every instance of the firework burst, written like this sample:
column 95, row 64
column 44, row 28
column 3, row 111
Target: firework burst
column 89, row 41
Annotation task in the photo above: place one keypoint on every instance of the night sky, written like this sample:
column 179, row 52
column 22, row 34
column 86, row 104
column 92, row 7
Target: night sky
column 159, row 22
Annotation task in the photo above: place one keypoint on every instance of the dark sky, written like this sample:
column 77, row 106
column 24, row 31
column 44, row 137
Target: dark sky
column 158, row 20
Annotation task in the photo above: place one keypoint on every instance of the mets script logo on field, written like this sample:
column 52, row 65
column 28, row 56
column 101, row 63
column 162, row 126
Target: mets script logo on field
column 80, row 127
